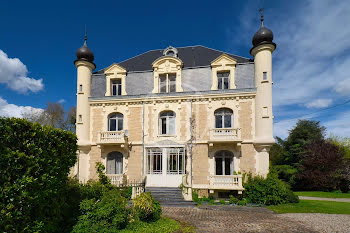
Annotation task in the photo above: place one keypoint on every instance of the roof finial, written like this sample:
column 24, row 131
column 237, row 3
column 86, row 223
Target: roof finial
column 261, row 17
column 85, row 37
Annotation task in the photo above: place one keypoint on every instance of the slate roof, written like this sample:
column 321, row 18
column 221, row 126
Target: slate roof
column 192, row 56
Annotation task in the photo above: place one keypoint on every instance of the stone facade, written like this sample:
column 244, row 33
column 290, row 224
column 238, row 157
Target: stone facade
column 201, row 133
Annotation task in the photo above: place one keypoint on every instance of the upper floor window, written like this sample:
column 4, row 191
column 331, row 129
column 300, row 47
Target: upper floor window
column 224, row 163
column 223, row 80
column 114, row 163
column 115, row 122
column 167, row 123
column 116, row 87
column 264, row 75
column 167, row 83
column 223, row 118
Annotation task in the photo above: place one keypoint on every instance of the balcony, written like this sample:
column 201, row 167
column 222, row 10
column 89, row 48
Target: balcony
column 111, row 137
column 225, row 135
column 233, row 182
column 116, row 179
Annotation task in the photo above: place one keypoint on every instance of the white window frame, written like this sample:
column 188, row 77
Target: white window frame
column 118, row 87
column 220, row 76
column 167, row 82
column 154, row 154
column 176, row 153
column 169, row 119
column 117, row 117
column 223, row 112
column 224, row 154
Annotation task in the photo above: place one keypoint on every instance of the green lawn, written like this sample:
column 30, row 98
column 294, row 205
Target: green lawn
column 306, row 206
column 162, row 225
column 323, row 194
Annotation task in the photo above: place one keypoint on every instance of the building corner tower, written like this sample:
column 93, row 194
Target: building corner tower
column 263, row 47
column 85, row 66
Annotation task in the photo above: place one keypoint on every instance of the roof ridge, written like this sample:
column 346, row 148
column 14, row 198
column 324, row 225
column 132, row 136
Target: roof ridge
column 225, row 52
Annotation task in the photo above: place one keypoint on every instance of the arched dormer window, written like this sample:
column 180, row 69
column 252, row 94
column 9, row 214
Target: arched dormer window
column 167, row 123
column 115, row 122
column 223, row 118
column 114, row 163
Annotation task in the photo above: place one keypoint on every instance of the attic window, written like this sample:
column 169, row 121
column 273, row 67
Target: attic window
column 170, row 51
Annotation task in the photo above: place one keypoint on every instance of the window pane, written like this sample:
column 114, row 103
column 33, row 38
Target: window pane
column 172, row 83
column 114, row 89
column 225, row 83
column 119, row 89
column 118, row 81
column 219, row 83
column 162, row 83
column 163, row 125
column 171, row 125
column 218, row 163
column 110, row 164
column 119, row 164
column 227, row 121
column 218, row 121
column 228, row 166
column 120, row 124
column 264, row 75
column 112, row 125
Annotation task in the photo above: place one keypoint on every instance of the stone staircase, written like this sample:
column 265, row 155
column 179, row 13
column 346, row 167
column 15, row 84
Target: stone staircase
column 169, row 197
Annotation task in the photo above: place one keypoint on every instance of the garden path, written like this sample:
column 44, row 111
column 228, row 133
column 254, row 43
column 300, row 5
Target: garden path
column 234, row 219
column 325, row 199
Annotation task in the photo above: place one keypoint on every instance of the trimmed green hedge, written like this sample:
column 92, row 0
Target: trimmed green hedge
column 34, row 165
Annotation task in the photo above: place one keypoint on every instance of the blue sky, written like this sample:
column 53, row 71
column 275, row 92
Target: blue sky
column 38, row 42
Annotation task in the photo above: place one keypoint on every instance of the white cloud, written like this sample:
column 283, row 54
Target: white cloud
column 343, row 87
column 12, row 110
column 339, row 125
column 61, row 101
column 14, row 73
column 319, row 103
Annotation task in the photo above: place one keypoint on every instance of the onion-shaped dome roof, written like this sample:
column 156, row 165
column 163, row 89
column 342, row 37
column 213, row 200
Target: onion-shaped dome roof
column 263, row 35
column 84, row 53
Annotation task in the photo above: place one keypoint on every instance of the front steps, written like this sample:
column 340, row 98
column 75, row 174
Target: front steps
column 169, row 197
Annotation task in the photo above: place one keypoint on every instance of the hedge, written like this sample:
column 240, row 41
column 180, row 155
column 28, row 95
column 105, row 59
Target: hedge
column 34, row 165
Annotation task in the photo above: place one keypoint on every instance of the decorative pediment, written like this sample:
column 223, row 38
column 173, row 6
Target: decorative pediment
column 115, row 69
column 223, row 60
column 167, row 64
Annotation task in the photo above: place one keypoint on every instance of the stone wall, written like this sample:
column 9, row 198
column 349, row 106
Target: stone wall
column 200, row 164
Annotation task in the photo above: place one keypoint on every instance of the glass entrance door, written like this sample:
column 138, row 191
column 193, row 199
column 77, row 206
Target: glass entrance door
column 165, row 166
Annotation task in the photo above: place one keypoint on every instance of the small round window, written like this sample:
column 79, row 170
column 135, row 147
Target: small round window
column 170, row 53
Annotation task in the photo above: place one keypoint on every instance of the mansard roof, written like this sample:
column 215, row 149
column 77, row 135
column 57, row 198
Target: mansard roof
column 192, row 56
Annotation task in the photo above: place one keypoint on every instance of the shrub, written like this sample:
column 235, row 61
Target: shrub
column 34, row 165
column 233, row 199
column 106, row 215
column 146, row 207
column 286, row 173
column 269, row 191
column 126, row 192
column 242, row 202
column 222, row 202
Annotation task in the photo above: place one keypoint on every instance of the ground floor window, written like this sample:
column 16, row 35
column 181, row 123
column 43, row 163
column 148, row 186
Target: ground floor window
column 114, row 163
column 172, row 158
column 224, row 163
column 154, row 161
column 176, row 161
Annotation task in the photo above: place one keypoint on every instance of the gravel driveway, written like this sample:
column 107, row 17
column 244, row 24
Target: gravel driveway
column 256, row 219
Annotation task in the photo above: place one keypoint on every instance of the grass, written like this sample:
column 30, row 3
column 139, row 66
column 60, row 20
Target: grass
column 162, row 225
column 323, row 194
column 306, row 206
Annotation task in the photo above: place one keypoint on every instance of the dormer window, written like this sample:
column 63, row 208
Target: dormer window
column 170, row 51
column 167, row 83
column 223, row 80
column 116, row 87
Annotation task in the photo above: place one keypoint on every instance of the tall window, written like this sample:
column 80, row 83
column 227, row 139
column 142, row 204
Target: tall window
column 167, row 83
column 223, row 80
column 116, row 87
column 115, row 122
column 154, row 161
column 176, row 161
column 167, row 123
column 114, row 163
column 224, row 163
column 223, row 118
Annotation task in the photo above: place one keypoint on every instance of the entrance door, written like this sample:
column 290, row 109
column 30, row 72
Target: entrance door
column 165, row 166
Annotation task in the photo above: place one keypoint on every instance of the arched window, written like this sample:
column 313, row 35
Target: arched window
column 115, row 163
column 167, row 123
column 223, row 163
column 115, row 122
column 223, row 118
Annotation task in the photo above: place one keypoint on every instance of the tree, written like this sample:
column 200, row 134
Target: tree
column 343, row 142
column 321, row 166
column 54, row 115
